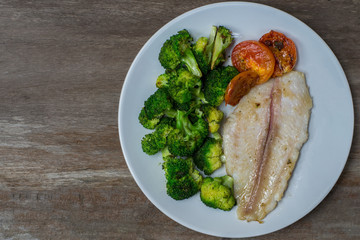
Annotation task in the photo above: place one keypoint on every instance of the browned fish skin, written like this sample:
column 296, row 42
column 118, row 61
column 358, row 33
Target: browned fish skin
column 262, row 141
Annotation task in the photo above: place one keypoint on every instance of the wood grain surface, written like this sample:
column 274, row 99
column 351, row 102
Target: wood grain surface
column 62, row 172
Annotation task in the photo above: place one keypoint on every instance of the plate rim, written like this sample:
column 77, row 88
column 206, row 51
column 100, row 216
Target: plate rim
column 138, row 56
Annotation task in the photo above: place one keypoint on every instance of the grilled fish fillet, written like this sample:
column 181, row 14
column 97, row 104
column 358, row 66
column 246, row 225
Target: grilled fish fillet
column 262, row 139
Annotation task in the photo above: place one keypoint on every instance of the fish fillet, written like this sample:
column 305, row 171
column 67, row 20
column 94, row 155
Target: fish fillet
column 263, row 137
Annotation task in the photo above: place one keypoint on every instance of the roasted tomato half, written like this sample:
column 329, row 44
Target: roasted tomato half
column 255, row 56
column 239, row 86
column 284, row 51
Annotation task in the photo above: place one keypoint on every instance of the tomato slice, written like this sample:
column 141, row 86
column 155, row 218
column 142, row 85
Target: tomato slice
column 284, row 51
column 239, row 86
column 254, row 56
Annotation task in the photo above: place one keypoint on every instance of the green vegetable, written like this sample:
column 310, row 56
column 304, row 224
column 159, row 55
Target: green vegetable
column 208, row 157
column 218, row 192
column 203, row 49
column 177, row 50
column 183, row 181
column 213, row 116
column 158, row 105
column 187, row 137
column 183, row 111
column 223, row 40
column 181, row 84
column 216, row 83
column 154, row 142
column 146, row 122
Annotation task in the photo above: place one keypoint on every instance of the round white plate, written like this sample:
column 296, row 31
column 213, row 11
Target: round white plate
column 331, row 126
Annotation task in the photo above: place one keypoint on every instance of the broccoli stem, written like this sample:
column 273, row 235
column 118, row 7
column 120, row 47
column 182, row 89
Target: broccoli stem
column 228, row 182
column 189, row 59
column 183, row 123
column 171, row 113
column 210, row 45
column 217, row 136
column 166, row 153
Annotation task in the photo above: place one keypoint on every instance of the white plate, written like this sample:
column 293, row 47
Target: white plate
column 330, row 131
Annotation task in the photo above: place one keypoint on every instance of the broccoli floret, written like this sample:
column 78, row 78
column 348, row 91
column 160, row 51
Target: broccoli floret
column 154, row 142
column 163, row 80
column 151, row 143
column 159, row 104
column 187, row 137
column 208, row 157
column 216, row 83
column 200, row 56
column 203, row 49
column 222, row 41
column 177, row 50
column 218, row 192
column 165, row 126
column 146, row 122
column 183, row 181
column 181, row 84
column 168, row 58
column 166, row 154
column 213, row 116
column 186, row 107
column 177, row 167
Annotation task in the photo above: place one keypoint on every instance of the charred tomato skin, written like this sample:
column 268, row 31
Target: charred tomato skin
column 284, row 51
column 255, row 56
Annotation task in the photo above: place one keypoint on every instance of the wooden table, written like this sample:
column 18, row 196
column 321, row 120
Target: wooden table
column 62, row 172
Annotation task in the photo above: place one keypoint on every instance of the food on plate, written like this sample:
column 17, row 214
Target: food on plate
column 216, row 82
column 154, row 142
column 183, row 111
column 180, row 93
column 146, row 122
column 218, row 192
column 255, row 56
column 208, row 157
column 188, row 135
column 262, row 139
column 209, row 51
column 213, row 116
column 180, row 84
column 158, row 104
column 239, row 86
column 284, row 51
column 182, row 179
column 177, row 50
column 222, row 41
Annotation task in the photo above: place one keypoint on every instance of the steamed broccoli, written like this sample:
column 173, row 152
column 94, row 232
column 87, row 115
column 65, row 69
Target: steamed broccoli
column 203, row 49
column 166, row 154
column 222, row 41
column 158, row 105
column 218, row 192
column 213, row 116
column 187, row 137
column 186, row 107
column 177, row 50
column 146, row 122
column 183, row 181
column 154, row 142
column 216, row 83
column 181, row 84
column 208, row 157
column 163, row 80
column 151, row 143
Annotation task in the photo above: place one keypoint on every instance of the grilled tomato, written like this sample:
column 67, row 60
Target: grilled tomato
column 255, row 56
column 284, row 51
column 239, row 86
